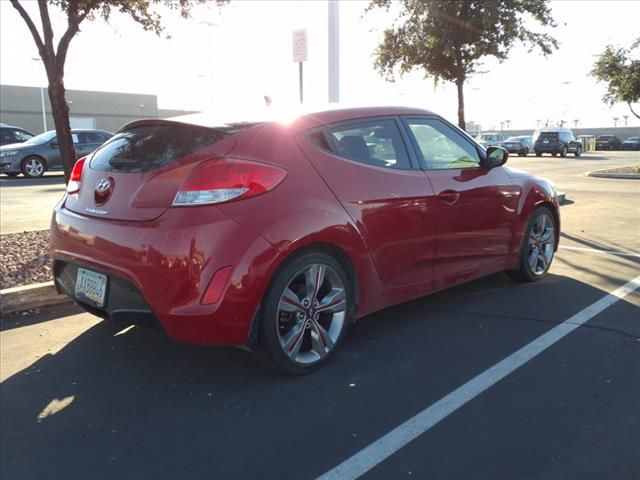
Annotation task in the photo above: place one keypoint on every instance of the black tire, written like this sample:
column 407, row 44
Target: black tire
column 578, row 152
column 538, row 154
column 33, row 167
column 524, row 272
column 563, row 151
column 272, row 326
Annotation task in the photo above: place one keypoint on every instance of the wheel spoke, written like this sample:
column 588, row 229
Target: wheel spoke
column 314, row 278
column 289, row 302
column 322, row 335
column 293, row 341
column 533, row 258
column 334, row 301
column 547, row 235
column 542, row 259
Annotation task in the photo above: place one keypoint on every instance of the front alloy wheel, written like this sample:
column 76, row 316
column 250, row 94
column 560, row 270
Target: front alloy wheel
column 538, row 247
column 306, row 313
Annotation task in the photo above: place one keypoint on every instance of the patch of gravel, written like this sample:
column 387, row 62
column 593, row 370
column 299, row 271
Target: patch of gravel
column 631, row 170
column 24, row 259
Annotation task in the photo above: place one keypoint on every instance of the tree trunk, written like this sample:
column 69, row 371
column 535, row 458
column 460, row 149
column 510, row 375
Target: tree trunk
column 60, row 112
column 460, row 85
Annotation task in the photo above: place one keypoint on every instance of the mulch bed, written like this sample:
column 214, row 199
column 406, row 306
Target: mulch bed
column 24, row 259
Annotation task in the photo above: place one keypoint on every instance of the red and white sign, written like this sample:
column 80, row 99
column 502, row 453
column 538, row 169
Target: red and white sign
column 300, row 45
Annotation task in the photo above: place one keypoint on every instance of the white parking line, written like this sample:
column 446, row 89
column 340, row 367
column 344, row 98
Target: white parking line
column 387, row 445
column 606, row 252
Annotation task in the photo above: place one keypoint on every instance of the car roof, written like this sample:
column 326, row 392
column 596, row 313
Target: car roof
column 298, row 118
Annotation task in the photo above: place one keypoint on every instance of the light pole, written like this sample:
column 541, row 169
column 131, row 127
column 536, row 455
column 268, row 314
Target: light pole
column 44, row 115
column 210, row 34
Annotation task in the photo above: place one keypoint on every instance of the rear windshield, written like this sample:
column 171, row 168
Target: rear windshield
column 605, row 137
column 551, row 136
column 145, row 148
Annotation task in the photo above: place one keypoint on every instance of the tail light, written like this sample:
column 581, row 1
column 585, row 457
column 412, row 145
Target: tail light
column 76, row 176
column 222, row 180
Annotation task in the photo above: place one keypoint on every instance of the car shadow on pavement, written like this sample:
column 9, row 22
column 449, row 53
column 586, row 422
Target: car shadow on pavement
column 113, row 404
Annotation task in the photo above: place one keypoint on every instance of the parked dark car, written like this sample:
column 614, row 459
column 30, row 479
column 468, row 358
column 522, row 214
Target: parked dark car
column 631, row 143
column 277, row 236
column 40, row 153
column 521, row 145
column 10, row 134
column 608, row 142
column 556, row 141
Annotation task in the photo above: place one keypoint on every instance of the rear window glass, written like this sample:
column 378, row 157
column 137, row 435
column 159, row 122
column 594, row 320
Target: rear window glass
column 148, row 147
column 550, row 136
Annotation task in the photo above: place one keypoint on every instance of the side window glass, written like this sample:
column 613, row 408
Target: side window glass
column 375, row 142
column 22, row 136
column 92, row 137
column 442, row 147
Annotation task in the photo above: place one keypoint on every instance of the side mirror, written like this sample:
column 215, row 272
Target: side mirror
column 496, row 156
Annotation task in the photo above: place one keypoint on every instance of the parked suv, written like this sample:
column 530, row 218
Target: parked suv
column 10, row 134
column 556, row 141
column 608, row 142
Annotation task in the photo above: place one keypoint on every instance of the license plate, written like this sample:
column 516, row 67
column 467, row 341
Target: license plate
column 91, row 286
column 545, row 141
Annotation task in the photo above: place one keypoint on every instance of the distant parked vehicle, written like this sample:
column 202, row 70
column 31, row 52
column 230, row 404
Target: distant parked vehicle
column 608, row 142
column 40, row 153
column 631, row 143
column 490, row 139
column 521, row 145
column 10, row 134
column 556, row 141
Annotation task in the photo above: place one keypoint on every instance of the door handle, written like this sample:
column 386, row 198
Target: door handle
column 449, row 197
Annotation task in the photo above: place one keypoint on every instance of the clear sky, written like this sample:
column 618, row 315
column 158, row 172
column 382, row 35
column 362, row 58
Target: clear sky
column 248, row 54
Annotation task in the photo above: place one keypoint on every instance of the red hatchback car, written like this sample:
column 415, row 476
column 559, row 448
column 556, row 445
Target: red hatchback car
column 275, row 236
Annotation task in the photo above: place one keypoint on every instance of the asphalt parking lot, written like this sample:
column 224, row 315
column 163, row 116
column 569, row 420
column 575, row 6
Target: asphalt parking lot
column 82, row 398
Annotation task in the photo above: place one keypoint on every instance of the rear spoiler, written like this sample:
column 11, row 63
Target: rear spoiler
column 228, row 129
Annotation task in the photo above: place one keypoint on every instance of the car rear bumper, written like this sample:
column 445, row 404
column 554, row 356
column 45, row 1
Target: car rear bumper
column 160, row 270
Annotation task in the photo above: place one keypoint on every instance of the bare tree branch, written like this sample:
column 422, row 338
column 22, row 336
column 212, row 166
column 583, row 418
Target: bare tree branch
column 47, row 31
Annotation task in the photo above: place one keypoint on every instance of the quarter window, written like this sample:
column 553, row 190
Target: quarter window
column 375, row 142
column 441, row 146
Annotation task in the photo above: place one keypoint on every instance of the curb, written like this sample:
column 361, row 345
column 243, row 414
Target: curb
column 18, row 299
column 622, row 176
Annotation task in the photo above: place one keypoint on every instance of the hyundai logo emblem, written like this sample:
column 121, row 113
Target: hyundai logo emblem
column 103, row 185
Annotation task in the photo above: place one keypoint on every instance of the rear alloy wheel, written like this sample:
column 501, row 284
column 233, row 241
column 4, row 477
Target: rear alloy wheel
column 33, row 167
column 563, row 152
column 578, row 152
column 306, row 313
column 538, row 247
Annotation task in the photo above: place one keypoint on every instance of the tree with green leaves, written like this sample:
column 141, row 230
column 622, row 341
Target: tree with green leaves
column 54, row 56
column 621, row 73
column 449, row 38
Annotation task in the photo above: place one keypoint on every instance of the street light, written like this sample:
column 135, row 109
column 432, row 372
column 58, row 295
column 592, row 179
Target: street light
column 44, row 115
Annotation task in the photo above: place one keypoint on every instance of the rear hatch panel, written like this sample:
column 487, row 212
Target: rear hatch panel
column 143, row 167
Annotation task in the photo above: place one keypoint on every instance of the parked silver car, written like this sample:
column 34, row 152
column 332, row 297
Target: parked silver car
column 40, row 153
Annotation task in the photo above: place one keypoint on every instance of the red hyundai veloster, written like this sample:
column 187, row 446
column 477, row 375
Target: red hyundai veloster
column 275, row 236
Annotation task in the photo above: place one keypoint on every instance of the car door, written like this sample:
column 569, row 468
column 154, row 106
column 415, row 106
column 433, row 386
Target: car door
column 367, row 166
column 476, row 206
